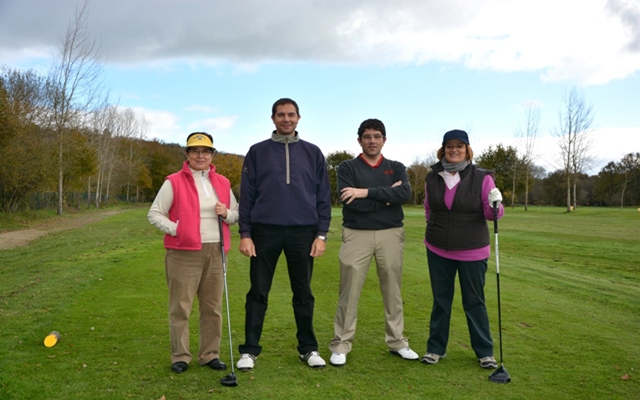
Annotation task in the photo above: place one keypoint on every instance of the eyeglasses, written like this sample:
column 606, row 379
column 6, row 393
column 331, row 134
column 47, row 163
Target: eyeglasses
column 195, row 152
column 377, row 136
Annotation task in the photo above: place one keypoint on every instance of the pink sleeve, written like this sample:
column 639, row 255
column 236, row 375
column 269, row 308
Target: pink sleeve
column 487, row 185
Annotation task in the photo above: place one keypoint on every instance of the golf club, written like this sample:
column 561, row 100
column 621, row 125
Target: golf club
column 500, row 375
column 227, row 380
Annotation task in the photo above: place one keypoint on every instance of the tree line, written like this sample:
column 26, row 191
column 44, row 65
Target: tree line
column 107, row 159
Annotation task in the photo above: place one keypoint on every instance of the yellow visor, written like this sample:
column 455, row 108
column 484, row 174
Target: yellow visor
column 199, row 140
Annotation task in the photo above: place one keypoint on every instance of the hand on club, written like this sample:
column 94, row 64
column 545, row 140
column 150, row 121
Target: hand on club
column 221, row 210
column 495, row 197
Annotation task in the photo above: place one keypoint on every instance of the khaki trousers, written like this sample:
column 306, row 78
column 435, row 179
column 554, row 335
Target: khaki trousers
column 190, row 274
column 357, row 250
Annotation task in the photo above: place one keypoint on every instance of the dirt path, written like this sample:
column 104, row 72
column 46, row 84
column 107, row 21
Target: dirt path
column 13, row 239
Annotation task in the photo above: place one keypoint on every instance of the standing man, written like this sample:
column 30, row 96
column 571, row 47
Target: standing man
column 285, row 206
column 372, row 190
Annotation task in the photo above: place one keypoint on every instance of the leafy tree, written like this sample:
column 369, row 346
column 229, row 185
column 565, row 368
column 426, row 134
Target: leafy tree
column 82, row 162
column 505, row 164
column 537, row 175
column 24, row 146
column 333, row 161
column 230, row 165
column 554, row 188
column 619, row 182
column 629, row 167
column 164, row 159
column 608, row 183
column 417, row 171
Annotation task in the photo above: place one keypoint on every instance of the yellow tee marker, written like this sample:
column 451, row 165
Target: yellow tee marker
column 52, row 339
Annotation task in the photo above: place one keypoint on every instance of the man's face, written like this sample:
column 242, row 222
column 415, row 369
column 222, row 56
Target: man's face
column 286, row 119
column 372, row 142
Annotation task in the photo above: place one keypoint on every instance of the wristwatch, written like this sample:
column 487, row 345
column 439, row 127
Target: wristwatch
column 323, row 238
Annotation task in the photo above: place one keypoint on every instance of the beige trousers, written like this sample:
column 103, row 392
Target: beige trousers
column 357, row 250
column 190, row 274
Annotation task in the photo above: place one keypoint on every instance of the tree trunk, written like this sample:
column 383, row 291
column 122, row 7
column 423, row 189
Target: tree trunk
column 568, row 193
column 60, row 175
column 526, row 192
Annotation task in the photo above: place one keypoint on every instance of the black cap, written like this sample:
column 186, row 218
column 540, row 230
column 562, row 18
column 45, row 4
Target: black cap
column 456, row 134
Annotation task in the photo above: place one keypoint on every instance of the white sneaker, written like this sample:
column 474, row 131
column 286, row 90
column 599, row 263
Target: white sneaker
column 406, row 353
column 432, row 358
column 338, row 359
column 313, row 359
column 246, row 362
column 488, row 362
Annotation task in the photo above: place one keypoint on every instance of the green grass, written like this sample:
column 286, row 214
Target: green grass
column 570, row 292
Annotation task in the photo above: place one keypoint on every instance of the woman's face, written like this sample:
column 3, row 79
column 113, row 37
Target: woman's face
column 199, row 157
column 455, row 151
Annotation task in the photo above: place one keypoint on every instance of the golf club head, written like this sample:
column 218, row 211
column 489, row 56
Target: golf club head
column 229, row 380
column 500, row 375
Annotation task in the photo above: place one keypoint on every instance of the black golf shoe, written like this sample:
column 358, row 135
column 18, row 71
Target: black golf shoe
column 179, row 367
column 217, row 364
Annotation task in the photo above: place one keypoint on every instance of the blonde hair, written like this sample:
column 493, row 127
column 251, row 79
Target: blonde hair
column 469, row 152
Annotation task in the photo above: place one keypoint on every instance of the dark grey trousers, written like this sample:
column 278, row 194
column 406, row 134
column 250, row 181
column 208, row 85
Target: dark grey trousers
column 471, row 275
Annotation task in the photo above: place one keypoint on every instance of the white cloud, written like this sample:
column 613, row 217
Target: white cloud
column 163, row 125
column 214, row 125
column 589, row 42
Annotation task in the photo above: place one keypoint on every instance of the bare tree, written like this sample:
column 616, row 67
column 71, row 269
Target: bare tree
column 108, row 127
column 137, row 133
column 572, row 134
column 74, row 85
column 417, row 171
column 528, row 134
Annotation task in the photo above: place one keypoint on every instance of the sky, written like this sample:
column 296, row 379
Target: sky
column 422, row 67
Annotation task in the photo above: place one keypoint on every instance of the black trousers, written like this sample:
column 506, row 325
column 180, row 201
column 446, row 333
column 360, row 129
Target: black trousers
column 270, row 241
column 471, row 274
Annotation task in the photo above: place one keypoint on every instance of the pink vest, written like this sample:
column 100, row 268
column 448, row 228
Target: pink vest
column 186, row 209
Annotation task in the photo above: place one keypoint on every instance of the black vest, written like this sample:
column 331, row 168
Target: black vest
column 464, row 227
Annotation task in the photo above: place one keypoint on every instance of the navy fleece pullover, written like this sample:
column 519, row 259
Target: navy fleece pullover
column 284, row 182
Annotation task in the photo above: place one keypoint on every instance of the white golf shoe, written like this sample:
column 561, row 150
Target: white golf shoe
column 406, row 353
column 246, row 362
column 338, row 359
column 313, row 359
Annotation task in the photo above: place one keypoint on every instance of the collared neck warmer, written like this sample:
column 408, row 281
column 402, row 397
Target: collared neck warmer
column 286, row 139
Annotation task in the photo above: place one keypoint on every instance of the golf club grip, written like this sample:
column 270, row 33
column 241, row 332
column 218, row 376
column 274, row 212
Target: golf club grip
column 495, row 217
column 224, row 256
column 221, row 232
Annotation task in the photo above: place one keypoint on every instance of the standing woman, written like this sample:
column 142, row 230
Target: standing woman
column 186, row 209
column 459, row 199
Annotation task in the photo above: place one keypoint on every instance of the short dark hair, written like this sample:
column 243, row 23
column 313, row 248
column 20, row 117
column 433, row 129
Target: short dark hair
column 281, row 102
column 374, row 124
